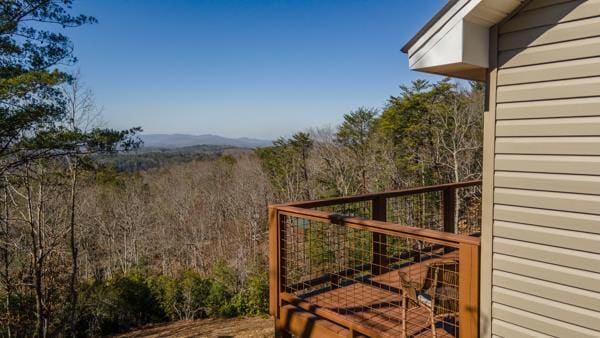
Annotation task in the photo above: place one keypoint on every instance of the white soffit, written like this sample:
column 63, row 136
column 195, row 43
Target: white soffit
column 456, row 41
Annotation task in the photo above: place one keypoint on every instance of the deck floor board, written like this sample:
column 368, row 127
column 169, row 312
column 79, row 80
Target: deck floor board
column 376, row 303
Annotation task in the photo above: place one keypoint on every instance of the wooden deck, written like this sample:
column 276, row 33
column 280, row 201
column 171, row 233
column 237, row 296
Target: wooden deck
column 310, row 299
column 375, row 304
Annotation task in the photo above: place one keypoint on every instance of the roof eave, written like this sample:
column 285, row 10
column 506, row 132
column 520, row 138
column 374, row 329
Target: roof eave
column 456, row 40
column 428, row 25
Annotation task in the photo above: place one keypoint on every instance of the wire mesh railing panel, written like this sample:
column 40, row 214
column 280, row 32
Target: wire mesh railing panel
column 313, row 250
column 424, row 210
column 468, row 221
column 332, row 266
column 362, row 209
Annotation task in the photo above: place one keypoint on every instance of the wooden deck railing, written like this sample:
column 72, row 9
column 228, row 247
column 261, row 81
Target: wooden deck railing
column 335, row 264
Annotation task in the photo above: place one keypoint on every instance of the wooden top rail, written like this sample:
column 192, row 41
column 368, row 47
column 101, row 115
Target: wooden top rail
column 432, row 236
column 386, row 194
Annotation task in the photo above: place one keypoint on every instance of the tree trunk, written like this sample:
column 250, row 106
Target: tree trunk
column 34, row 218
column 456, row 197
column 6, row 263
column 305, row 174
column 73, row 244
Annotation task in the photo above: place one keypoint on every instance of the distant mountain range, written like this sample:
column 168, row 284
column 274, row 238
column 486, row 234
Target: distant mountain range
column 172, row 141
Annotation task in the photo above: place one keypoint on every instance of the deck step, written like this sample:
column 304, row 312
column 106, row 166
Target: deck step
column 303, row 324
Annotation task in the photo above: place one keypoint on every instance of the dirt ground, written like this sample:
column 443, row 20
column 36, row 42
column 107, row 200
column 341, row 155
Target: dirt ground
column 254, row 327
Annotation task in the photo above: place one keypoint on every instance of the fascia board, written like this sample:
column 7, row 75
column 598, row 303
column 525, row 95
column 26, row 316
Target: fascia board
column 439, row 30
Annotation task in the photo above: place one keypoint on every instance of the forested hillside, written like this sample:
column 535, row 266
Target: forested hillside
column 144, row 159
column 90, row 247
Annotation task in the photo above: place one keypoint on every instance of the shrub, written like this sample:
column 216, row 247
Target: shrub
column 257, row 297
column 135, row 299
column 121, row 303
column 222, row 290
column 194, row 291
column 183, row 297
column 21, row 316
column 219, row 300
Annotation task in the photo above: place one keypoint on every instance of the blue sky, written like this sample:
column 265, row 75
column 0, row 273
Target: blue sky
column 244, row 68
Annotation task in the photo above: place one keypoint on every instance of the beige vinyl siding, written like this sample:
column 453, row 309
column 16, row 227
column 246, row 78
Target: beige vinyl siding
column 551, row 90
column 573, row 240
column 542, row 35
column 553, row 273
column 548, row 145
column 556, row 52
column 562, row 293
column 509, row 330
column 570, row 107
column 581, row 222
column 548, row 72
column 582, row 165
column 589, row 204
column 564, row 12
column 539, row 323
column 546, row 175
column 527, row 249
column 538, row 4
column 578, row 184
column 548, row 308
column 576, row 126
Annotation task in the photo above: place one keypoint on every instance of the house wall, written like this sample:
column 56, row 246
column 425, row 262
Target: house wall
column 541, row 237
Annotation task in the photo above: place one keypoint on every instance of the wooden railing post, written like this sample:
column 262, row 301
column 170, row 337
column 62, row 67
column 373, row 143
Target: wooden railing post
column 379, row 212
column 273, row 262
column 449, row 202
column 468, row 288
column 276, row 272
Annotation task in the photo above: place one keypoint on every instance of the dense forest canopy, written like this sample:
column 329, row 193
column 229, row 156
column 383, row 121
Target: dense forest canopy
column 430, row 133
column 44, row 143
column 93, row 243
